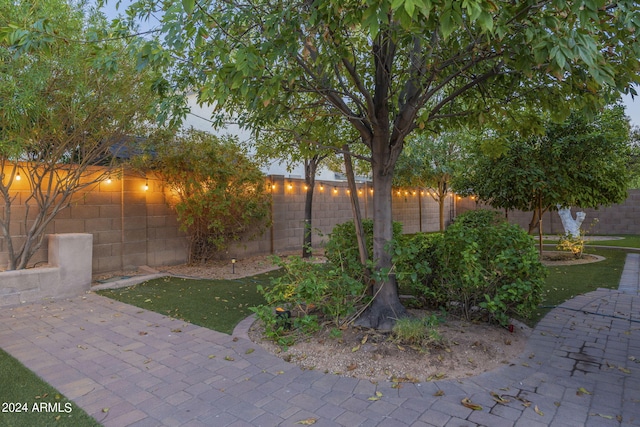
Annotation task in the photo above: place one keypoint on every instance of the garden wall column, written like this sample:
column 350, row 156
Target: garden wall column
column 72, row 253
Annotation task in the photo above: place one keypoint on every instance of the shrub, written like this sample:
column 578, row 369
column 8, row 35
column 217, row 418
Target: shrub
column 313, row 293
column 414, row 258
column 488, row 264
column 342, row 247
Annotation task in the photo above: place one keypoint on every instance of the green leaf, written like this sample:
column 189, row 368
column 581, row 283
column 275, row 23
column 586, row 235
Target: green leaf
column 188, row 5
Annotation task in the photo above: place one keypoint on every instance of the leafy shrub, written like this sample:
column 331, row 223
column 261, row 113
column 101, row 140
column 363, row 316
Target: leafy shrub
column 219, row 192
column 414, row 258
column 487, row 264
column 342, row 247
column 313, row 293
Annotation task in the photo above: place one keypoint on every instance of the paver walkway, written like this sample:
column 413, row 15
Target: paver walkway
column 581, row 368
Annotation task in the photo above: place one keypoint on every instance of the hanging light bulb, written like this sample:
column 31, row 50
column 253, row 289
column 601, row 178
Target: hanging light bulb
column 18, row 177
column 146, row 185
column 109, row 179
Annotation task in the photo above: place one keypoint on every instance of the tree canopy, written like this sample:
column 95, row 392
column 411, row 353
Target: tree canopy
column 579, row 162
column 66, row 98
column 389, row 67
column 432, row 162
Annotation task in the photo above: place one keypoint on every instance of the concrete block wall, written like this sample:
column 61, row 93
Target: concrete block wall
column 132, row 225
column 622, row 218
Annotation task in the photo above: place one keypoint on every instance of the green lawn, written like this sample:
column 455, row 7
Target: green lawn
column 213, row 304
column 28, row 401
column 565, row 282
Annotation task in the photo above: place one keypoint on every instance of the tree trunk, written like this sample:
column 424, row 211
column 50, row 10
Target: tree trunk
column 386, row 307
column 571, row 226
column 355, row 207
column 311, row 165
column 441, row 213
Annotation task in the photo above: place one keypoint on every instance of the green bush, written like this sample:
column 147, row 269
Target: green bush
column 342, row 247
column 414, row 258
column 488, row 264
column 313, row 293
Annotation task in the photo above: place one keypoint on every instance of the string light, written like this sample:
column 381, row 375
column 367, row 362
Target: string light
column 18, row 177
column 290, row 186
column 146, row 185
column 335, row 190
column 109, row 179
column 321, row 187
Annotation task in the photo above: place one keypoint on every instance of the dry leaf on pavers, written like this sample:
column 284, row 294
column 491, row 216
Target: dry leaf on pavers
column 249, row 351
column 176, row 330
column 439, row 393
column 212, row 356
column 467, row 403
column 308, row 421
column 524, row 401
column 625, row 370
column 142, row 333
column 606, row 417
column 229, row 358
column 538, row 411
column 376, row 397
column 105, row 410
column 582, row 391
column 501, row 400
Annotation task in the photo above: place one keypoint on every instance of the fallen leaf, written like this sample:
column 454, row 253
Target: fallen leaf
column 607, row 417
column 364, row 340
column 249, row 351
column 352, row 366
column 538, row 411
column 356, row 348
column 466, row 402
column 212, row 356
column 308, row 421
column 439, row 393
column 105, row 410
column 501, row 400
column 625, row 370
column 401, row 348
column 229, row 358
column 582, row 391
column 142, row 333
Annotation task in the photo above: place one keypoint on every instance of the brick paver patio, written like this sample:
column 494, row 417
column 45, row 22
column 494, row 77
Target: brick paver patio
column 151, row 370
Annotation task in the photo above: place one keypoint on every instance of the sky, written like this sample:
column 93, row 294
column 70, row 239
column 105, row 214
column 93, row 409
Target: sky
column 632, row 106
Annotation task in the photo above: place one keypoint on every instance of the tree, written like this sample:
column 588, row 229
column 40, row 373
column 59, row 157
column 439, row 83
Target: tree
column 67, row 97
column 299, row 137
column 220, row 193
column 390, row 67
column 431, row 162
column 579, row 162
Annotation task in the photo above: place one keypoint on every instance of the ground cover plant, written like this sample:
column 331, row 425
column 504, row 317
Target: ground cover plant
column 22, row 389
column 213, row 304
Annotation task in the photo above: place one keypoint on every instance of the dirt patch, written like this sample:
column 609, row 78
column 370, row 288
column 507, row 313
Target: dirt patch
column 466, row 349
column 565, row 258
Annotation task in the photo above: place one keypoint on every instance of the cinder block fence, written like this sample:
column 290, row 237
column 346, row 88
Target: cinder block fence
column 131, row 223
